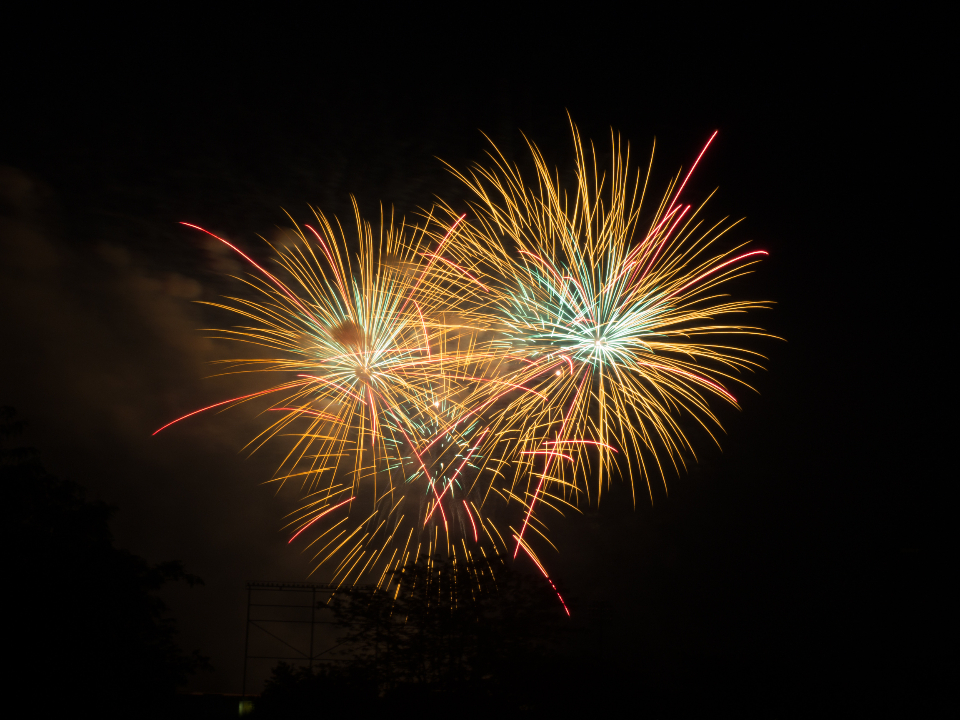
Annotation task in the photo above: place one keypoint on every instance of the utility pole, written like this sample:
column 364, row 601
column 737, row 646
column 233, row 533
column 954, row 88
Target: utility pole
column 246, row 650
column 313, row 621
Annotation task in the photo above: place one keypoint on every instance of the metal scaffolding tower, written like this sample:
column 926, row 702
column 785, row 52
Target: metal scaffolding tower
column 284, row 616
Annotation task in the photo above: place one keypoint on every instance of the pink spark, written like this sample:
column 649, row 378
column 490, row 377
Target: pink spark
column 671, row 209
column 537, row 563
column 424, row 273
column 582, row 442
column 452, row 478
column 533, row 500
column 650, row 235
column 698, row 378
column 713, row 270
column 373, row 417
column 546, row 452
column 457, row 267
column 694, row 167
column 280, row 285
column 425, row 471
column 476, row 538
column 225, row 402
column 317, row 518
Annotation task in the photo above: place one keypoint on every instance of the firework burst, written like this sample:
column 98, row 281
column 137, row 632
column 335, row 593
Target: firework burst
column 613, row 319
column 471, row 371
column 373, row 376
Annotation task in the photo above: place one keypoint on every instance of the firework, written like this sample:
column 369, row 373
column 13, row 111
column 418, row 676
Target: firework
column 374, row 371
column 464, row 374
column 614, row 319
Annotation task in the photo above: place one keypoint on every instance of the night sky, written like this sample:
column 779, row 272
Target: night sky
column 802, row 546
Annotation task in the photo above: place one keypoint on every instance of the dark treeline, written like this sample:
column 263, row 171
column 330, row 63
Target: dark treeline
column 771, row 619
column 443, row 637
column 708, row 619
column 91, row 633
column 86, row 632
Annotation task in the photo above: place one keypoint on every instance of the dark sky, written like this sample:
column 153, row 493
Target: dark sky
column 108, row 144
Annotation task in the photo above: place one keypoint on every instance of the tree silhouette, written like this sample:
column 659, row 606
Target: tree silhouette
column 90, row 633
column 442, row 634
